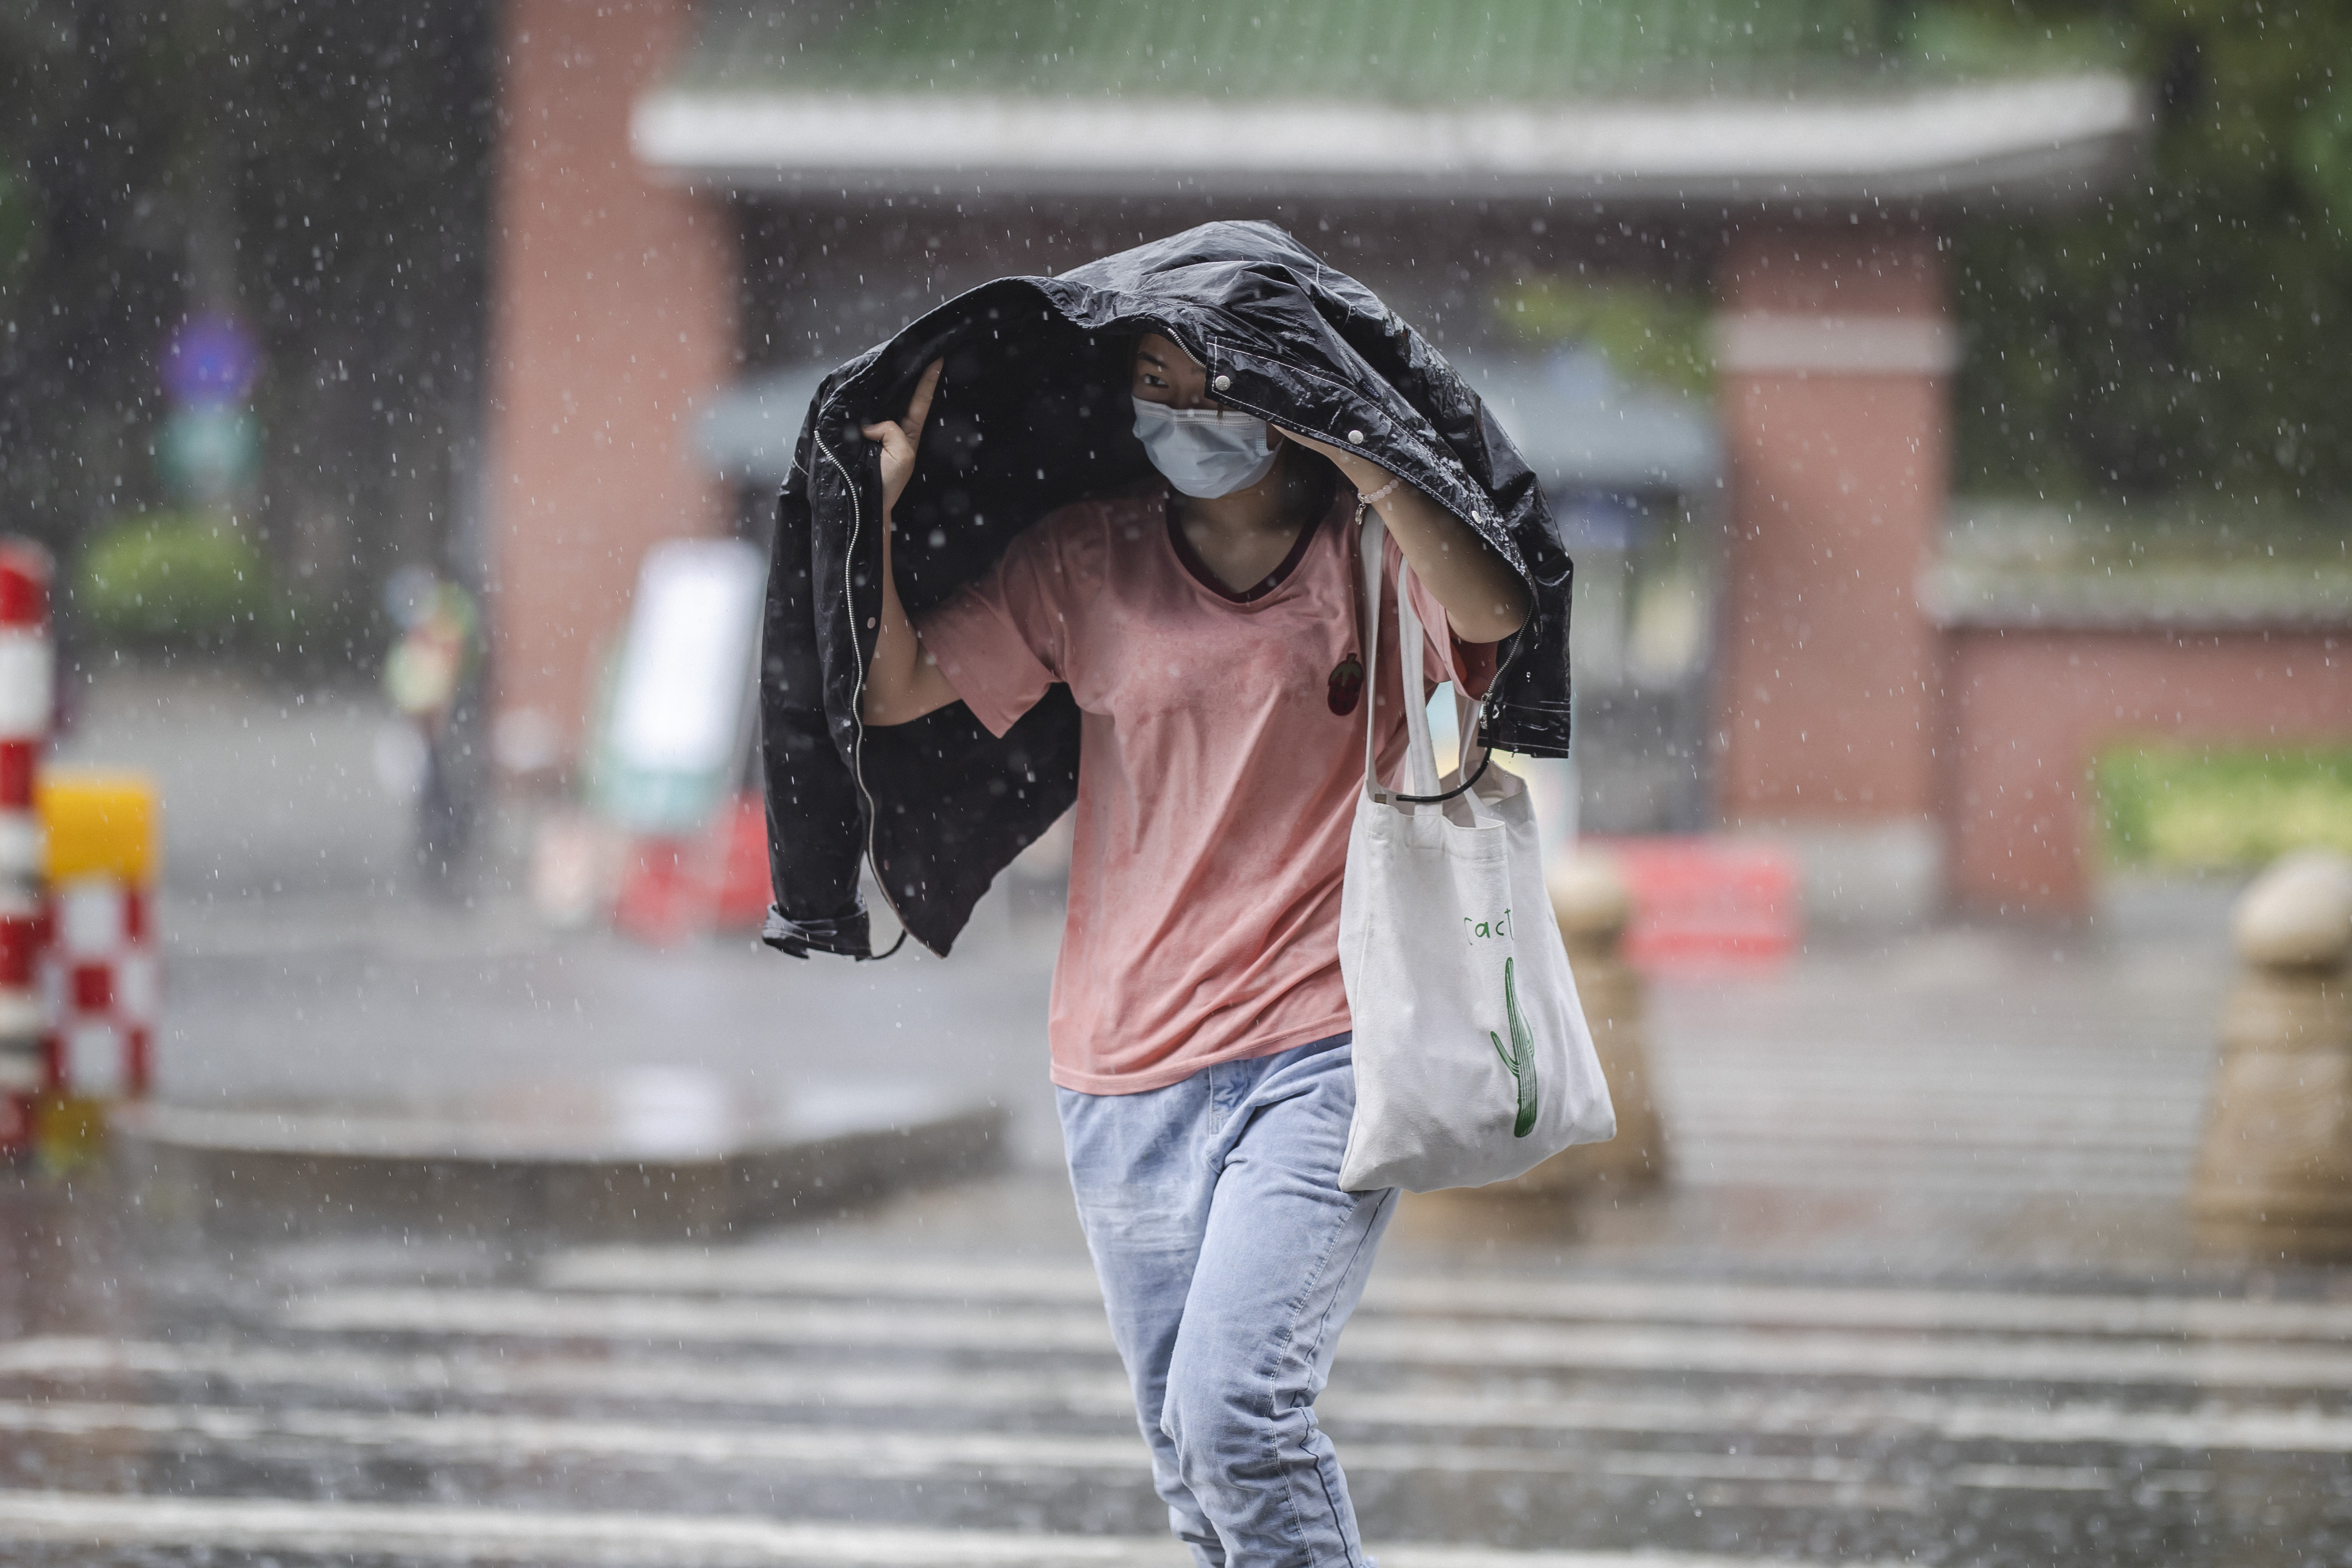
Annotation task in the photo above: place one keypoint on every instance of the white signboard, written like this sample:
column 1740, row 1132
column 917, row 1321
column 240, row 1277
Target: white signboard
column 682, row 700
column 693, row 639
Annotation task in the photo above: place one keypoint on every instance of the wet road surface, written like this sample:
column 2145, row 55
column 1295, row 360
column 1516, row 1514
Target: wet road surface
column 1919, row 1291
column 934, row 1382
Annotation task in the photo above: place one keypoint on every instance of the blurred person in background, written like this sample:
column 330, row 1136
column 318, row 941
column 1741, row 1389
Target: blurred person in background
column 433, row 678
column 1210, row 628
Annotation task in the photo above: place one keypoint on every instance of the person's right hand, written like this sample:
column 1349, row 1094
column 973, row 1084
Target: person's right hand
column 901, row 681
column 899, row 439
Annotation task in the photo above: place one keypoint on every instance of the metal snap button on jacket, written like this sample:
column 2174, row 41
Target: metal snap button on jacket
column 1355, row 438
column 1223, row 382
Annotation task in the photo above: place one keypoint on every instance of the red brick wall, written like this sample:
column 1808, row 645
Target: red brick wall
column 615, row 320
column 1838, row 479
column 2031, row 709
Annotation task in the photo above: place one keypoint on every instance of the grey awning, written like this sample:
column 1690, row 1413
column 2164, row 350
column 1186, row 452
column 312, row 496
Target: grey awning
column 1621, row 102
column 1579, row 425
column 1583, row 427
column 2044, row 142
column 748, row 433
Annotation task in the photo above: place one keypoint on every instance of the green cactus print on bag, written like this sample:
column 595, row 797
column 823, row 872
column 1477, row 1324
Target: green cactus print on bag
column 1520, row 1059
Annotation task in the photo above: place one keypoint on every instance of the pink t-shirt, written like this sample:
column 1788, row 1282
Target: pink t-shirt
column 1216, row 782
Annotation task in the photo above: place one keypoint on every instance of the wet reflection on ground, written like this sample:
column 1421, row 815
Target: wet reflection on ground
column 938, row 1365
column 1919, row 1289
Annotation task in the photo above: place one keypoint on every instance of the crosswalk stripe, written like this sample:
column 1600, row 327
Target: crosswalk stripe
column 766, row 1270
column 1986, row 1073
column 1790, row 1077
column 1879, row 1307
column 668, row 1380
column 1796, row 1152
column 878, row 1454
column 1943, row 1114
column 1901, row 1131
column 1990, row 1169
column 1831, row 1163
column 899, row 1456
column 790, row 1272
column 1781, row 1173
column 2300, row 1430
column 1936, row 1110
column 826, row 1450
column 1434, row 1343
column 496, row 1534
column 2223, row 1428
column 1959, row 1174
column 702, row 1319
column 660, row 1540
column 1830, row 1143
column 1844, row 1354
column 1830, row 1080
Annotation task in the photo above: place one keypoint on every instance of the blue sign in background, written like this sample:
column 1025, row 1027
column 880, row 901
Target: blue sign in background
column 210, row 360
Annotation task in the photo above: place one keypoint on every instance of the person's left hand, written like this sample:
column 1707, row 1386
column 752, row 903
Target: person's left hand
column 1484, row 598
column 1362, row 472
column 900, row 437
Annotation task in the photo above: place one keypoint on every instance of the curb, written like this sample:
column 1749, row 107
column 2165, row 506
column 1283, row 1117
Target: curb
column 293, row 1173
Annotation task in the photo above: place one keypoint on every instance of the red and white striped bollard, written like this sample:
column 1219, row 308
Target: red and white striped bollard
column 27, row 690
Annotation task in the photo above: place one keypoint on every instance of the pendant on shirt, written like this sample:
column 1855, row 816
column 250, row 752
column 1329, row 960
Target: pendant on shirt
column 1347, row 684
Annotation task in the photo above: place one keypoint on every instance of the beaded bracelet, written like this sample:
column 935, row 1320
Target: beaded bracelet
column 1382, row 493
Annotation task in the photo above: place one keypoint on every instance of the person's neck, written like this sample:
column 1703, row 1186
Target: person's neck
column 1265, row 508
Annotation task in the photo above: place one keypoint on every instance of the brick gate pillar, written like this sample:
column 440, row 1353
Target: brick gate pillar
column 1833, row 352
column 613, row 322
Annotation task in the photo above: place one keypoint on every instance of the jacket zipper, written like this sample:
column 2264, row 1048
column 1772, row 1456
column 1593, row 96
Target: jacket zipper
column 857, row 696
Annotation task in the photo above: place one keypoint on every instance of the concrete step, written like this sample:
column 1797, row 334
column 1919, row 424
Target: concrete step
column 639, row 1155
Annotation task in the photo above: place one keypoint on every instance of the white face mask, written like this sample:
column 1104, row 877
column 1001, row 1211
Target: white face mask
column 1205, row 452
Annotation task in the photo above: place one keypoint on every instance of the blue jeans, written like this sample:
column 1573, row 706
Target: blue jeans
column 1229, row 1261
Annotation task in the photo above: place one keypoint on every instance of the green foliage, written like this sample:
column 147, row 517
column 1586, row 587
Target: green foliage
column 173, row 579
column 2187, row 331
column 2188, row 533
column 2208, row 810
column 1398, row 51
column 320, row 170
column 1647, row 330
column 1968, row 39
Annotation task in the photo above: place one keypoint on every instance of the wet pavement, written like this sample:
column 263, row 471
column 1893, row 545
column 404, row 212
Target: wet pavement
column 932, row 1381
column 1920, row 1290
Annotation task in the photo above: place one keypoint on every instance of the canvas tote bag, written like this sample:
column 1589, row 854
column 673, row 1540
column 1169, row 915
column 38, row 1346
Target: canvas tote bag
column 1473, row 1061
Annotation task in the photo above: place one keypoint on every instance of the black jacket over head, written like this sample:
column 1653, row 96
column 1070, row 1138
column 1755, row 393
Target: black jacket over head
column 1031, row 413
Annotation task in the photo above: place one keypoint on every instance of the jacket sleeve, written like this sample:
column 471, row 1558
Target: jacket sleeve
column 815, row 831
column 1529, row 709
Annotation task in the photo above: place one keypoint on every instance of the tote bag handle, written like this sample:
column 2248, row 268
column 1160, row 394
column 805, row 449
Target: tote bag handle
column 1420, row 755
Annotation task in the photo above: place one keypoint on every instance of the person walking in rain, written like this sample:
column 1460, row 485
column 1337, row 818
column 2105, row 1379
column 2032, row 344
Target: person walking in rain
column 1210, row 628
column 431, row 677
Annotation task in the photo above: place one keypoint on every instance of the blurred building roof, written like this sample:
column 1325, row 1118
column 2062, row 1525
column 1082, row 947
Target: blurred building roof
column 1579, row 425
column 1640, row 101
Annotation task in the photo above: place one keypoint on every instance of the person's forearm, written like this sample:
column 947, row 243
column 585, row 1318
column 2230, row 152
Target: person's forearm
column 1484, row 598
column 898, row 652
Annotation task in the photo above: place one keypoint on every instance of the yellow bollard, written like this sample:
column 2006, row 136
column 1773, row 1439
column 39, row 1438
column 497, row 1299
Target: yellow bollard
column 2273, row 1175
column 98, row 825
column 102, row 859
